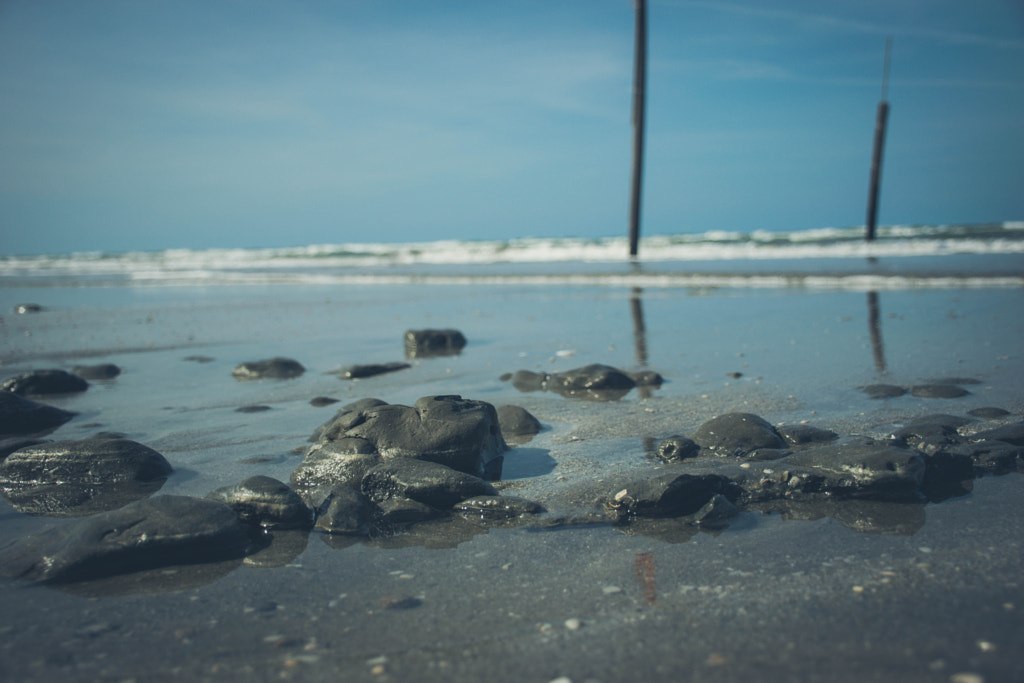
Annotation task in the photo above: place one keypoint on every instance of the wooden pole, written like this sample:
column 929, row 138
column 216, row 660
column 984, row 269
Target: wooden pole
column 639, row 86
column 881, row 119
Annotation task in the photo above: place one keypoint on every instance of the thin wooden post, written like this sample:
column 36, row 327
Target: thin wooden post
column 881, row 119
column 639, row 86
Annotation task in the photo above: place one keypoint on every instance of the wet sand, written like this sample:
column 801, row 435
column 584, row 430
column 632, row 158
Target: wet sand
column 766, row 599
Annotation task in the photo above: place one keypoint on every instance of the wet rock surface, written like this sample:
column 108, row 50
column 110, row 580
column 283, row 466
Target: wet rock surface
column 271, row 368
column 43, row 382
column 73, row 478
column 369, row 370
column 518, row 426
column 595, row 382
column 432, row 343
column 158, row 532
column 737, row 434
column 266, row 502
column 19, row 415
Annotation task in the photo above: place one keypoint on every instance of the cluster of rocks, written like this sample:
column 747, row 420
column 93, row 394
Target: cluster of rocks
column 592, row 382
column 377, row 466
column 20, row 415
column 945, row 388
column 738, row 461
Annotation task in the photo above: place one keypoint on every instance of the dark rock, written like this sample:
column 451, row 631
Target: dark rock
column 266, row 502
column 398, row 512
column 331, row 464
column 883, row 390
column 1011, row 434
column 272, row 368
column 989, row 413
column 527, row 381
column 716, row 513
column 800, row 435
column 426, row 482
column 433, row 343
column 938, row 391
column 344, row 511
column 252, row 409
column 517, row 425
column 103, row 371
column 369, row 370
column 671, row 494
column 20, row 415
column 497, row 508
column 859, row 467
column 8, row 446
column 737, row 434
column 335, row 427
column 42, row 382
column 22, row 309
column 462, row 434
column 73, row 478
column 593, row 382
column 676, row 448
column 157, row 532
column 997, row 457
column 199, row 359
column 321, row 401
column 647, row 378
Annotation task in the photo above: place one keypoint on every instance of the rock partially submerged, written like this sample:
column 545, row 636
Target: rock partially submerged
column 265, row 502
column 103, row 371
column 271, row 368
column 369, row 370
column 595, row 382
column 432, row 343
column 19, row 415
column 518, row 426
column 43, row 382
column 74, row 478
column 161, row 531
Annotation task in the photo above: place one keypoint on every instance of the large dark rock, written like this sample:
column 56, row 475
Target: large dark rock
column 266, row 502
column 20, row 415
column 671, row 494
column 42, row 382
column 272, row 368
column 433, row 343
column 71, row 478
column 737, row 434
column 592, row 382
column 158, row 532
column 462, row 434
column 425, row 482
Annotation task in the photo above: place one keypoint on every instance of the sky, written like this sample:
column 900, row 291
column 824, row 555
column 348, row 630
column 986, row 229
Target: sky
column 136, row 125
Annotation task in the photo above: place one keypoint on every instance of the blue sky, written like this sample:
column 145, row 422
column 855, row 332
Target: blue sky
column 131, row 125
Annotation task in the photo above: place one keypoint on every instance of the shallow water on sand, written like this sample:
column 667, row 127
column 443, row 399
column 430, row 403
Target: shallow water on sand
column 767, row 599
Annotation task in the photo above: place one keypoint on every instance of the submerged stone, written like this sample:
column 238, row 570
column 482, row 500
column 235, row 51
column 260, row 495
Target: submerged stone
column 883, row 390
column 369, row 370
column 938, row 391
column 272, row 368
column 266, row 502
column 495, row 507
column 989, row 413
column 676, row 448
column 42, row 382
column 19, row 415
column 157, row 532
column 592, row 382
column 1011, row 434
column 670, row 495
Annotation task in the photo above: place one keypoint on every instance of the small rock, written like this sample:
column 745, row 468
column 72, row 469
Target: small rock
column 676, row 448
column 938, row 391
column 272, row 368
column 344, row 511
column 369, row 370
column 266, row 502
column 252, row 409
column 517, row 425
column 737, row 434
column 321, row 401
column 41, row 382
column 989, row 413
column 103, row 371
column 883, row 391
column 433, row 343
column 593, row 382
column 22, row 309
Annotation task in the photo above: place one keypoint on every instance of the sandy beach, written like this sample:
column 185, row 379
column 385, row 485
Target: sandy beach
column 929, row 593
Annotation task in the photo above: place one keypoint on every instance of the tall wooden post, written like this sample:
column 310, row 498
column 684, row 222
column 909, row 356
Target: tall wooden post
column 881, row 119
column 639, row 86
